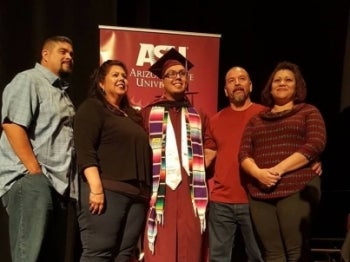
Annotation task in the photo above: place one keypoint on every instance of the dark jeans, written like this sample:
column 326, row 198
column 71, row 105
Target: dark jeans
column 284, row 224
column 37, row 220
column 224, row 220
column 115, row 233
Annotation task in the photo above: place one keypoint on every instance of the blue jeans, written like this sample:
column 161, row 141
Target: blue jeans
column 37, row 225
column 224, row 219
column 113, row 235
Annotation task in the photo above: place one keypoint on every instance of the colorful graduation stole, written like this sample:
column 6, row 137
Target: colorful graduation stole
column 158, row 121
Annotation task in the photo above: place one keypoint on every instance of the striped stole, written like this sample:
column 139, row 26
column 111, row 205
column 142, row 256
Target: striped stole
column 158, row 120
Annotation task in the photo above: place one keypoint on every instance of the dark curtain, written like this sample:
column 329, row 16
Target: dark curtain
column 24, row 24
column 313, row 36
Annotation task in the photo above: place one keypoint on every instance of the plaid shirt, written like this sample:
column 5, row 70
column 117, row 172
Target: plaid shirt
column 31, row 100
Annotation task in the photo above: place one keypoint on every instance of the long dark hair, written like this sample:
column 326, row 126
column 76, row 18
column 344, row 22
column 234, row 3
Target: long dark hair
column 300, row 88
column 95, row 90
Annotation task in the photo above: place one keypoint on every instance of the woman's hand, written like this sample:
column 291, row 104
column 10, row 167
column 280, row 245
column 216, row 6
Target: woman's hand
column 96, row 202
column 317, row 167
column 268, row 177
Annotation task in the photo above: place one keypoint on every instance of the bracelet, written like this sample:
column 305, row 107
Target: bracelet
column 96, row 193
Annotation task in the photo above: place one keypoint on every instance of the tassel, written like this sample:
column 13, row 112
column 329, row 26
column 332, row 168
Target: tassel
column 151, row 246
column 203, row 223
column 160, row 217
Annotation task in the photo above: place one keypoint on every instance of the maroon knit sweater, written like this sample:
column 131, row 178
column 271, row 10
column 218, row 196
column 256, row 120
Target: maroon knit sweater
column 271, row 137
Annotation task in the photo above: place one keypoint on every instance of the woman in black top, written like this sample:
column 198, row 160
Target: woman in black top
column 114, row 160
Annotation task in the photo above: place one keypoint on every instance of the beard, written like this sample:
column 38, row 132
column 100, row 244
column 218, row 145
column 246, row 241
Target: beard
column 238, row 98
column 65, row 73
column 66, row 70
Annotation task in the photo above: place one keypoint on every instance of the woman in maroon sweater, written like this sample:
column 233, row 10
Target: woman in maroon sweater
column 277, row 150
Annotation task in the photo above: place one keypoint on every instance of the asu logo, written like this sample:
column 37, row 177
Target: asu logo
column 149, row 54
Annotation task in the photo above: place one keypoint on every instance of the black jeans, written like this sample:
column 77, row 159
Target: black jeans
column 113, row 235
column 284, row 224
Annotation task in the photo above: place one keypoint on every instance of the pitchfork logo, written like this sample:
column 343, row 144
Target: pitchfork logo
column 149, row 54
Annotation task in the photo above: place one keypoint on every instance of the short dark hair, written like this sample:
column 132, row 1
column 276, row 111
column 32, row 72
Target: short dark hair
column 58, row 38
column 53, row 39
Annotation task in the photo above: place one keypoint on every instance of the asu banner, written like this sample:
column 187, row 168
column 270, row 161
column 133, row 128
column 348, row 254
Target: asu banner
column 140, row 48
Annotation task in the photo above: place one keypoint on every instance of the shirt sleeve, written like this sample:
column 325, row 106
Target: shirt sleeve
column 315, row 134
column 20, row 100
column 246, row 146
column 209, row 141
column 88, row 125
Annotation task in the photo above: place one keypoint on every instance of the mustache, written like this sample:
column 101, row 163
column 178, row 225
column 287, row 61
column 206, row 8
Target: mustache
column 238, row 89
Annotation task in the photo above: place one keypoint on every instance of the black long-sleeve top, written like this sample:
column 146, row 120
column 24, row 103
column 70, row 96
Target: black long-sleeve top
column 114, row 143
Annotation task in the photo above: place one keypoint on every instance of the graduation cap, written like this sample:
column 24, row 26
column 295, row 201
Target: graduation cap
column 170, row 58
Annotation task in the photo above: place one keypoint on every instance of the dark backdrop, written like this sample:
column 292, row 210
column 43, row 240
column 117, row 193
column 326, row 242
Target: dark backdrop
column 254, row 35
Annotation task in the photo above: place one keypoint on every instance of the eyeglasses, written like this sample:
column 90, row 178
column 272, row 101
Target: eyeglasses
column 173, row 74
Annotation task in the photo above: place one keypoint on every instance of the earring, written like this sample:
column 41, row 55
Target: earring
column 103, row 91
